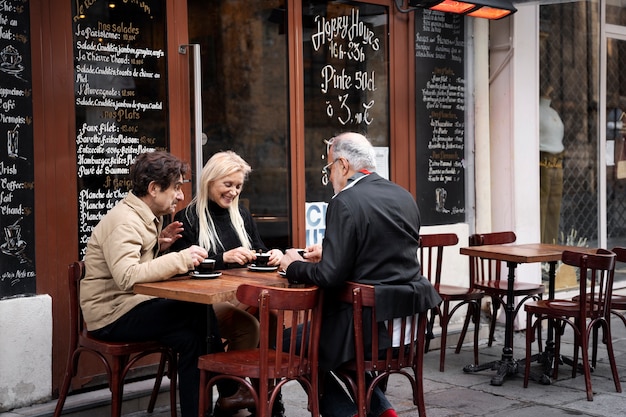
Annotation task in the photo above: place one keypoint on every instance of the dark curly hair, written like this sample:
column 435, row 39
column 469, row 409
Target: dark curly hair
column 161, row 167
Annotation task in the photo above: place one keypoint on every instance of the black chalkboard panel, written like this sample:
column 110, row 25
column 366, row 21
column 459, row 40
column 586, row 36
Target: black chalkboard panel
column 121, row 98
column 346, row 79
column 440, row 116
column 17, row 244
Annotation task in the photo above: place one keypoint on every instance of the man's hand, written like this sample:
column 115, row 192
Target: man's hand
column 197, row 254
column 313, row 253
column 169, row 235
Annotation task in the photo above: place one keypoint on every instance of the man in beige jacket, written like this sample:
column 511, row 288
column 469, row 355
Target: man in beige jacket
column 123, row 250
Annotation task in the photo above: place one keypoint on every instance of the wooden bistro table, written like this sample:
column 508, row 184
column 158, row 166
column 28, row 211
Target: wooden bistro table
column 513, row 255
column 209, row 291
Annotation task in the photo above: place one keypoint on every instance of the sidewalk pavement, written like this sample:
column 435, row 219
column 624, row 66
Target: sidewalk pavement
column 447, row 394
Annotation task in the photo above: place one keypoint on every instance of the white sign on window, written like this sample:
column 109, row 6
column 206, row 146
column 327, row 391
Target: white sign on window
column 315, row 214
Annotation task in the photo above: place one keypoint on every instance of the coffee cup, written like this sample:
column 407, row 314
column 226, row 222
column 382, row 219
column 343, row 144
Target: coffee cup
column 206, row 266
column 262, row 259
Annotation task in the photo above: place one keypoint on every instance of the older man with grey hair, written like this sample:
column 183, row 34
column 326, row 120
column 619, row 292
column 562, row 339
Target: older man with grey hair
column 372, row 235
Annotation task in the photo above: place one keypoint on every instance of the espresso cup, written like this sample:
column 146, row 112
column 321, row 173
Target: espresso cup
column 262, row 259
column 206, row 266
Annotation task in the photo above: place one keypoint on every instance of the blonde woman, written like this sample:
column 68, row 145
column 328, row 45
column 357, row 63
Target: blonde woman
column 215, row 221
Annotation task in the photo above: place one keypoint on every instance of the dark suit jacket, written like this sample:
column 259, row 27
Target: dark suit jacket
column 372, row 233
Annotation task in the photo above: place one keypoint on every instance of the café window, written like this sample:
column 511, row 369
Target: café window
column 346, row 88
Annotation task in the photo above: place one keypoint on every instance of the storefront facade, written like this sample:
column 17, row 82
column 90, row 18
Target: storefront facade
column 451, row 104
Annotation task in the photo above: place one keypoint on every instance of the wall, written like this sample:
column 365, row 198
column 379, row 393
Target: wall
column 26, row 346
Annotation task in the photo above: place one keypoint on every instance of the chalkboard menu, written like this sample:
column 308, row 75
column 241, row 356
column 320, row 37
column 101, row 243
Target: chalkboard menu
column 440, row 118
column 121, row 98
column 17, row 195
column 346, row 78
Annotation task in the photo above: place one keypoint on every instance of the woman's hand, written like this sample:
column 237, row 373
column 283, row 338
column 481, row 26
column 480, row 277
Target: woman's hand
column 275, row 257
column 240, row 255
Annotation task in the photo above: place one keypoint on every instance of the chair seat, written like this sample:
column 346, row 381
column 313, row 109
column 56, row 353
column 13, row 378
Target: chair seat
column 564, row 308
column 519, row 288
column 454, row 293
column 118, row 348
column 245, row 363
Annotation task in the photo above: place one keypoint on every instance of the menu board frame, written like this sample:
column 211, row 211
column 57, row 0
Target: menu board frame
column 440, row 116
column 121, row 99
column 17, row 185
column 346, row 57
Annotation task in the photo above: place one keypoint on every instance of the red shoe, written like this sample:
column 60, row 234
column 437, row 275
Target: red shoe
column 389, row 413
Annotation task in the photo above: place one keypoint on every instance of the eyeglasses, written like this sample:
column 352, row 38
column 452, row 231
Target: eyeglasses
column 326, row 172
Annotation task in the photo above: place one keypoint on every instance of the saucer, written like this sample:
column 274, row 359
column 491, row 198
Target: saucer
column 253, row 267
column 210, row 275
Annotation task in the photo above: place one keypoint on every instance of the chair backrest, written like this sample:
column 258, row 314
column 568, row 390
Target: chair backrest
column 404, row 352
column 431, row 254
column 596, row 271
column 407, row 334
column 75, row 272
column 483, row 270
column 292, row 307
column 620, row 253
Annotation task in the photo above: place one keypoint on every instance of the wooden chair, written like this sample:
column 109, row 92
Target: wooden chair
column 486, row 276
column 382, row 364
column 618, row 303
column 271, row 367
column 117, row 357
column 431, row 259
column 585, row 316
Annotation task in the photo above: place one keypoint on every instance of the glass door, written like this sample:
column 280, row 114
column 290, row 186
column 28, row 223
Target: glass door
column 243, row 48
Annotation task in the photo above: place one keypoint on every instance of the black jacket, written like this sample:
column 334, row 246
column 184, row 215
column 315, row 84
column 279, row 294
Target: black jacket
column 372, row 234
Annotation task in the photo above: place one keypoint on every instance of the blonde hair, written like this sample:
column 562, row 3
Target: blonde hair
column 219, row 166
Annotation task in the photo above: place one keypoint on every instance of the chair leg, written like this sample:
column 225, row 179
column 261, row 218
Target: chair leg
column 608, row 340
column 443, row 322
column 594, row 346
column 67, row 380
column 431, row 324
column 584, row 344
column 116, row 384
column 157, row 382
column 419, row 372
column 468, row 317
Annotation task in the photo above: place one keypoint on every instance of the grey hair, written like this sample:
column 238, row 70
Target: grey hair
column 356, row 148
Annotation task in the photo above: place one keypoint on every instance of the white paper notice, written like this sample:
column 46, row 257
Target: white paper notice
column 382, row 161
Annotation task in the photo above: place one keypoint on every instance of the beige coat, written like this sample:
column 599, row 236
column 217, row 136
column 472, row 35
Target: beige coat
column 121, row 253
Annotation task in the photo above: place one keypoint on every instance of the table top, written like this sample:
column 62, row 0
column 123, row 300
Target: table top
column 209, row 291
column 522, row 253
